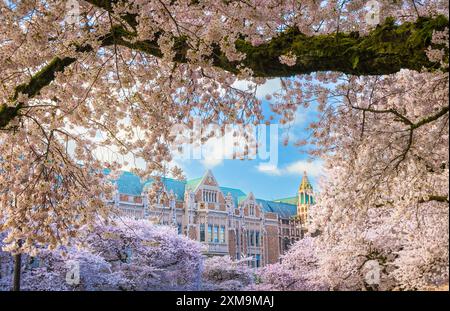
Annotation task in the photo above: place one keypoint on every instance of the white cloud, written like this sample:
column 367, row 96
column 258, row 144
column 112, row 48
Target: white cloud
column 313, row 168
column 216, row 149
column 270, row 87
column 301, row 118
column 269, row 169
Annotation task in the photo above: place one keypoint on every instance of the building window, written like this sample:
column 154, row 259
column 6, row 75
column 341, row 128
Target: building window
column 202, row 232
column 216, row 234
column 127, row 254
column 222, row 234
column 209, row 196
column 252, row 241
column 257, row 238
column 258, row 260
column 179, row 228
column 34, row 262
column 210, row 233
column 251, row 209
column 285, row 244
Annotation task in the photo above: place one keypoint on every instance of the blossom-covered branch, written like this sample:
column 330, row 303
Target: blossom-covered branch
column 384, row 50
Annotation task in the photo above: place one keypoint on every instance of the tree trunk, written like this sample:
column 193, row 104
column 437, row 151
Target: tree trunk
column 17, row 268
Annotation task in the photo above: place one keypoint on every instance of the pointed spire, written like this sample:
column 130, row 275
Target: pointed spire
column 305, row 184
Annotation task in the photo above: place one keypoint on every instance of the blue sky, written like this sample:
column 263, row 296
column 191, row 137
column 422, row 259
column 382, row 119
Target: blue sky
column 265, row 181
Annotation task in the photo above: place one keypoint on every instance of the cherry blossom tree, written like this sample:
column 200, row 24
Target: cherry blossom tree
column 71, row 270
column 224, row 273
column 298, row 269
column 148, row 256
column 127, row 255
column 275, row 277
column 117, row 75
column 384, row 200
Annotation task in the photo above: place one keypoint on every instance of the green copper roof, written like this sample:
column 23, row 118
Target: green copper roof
column 290, row 200
column 284, row 210
column 192, row 184
column 304, row 199
column 177, row 186
column 242, row 198
column 130, row 184
column 235, row 193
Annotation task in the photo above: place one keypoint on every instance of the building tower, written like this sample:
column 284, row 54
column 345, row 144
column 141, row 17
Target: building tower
column 305, row 200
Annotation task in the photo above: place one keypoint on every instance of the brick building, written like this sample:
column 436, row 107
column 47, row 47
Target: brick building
column 227, row 220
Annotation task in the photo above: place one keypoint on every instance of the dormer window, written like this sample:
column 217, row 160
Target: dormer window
column 209, row 196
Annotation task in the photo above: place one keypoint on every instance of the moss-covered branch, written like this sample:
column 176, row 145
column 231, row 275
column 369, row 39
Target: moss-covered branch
column 38, row 81
column 435, row 198
column 385, row 50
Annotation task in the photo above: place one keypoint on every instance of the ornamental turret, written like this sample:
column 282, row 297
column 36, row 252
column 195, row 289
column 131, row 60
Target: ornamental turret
column 305, row 199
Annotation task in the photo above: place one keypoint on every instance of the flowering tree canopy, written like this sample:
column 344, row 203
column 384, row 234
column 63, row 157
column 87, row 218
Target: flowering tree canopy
column 81, row 77
column 148, row 256
column 127, row 255
column 224, row 273
column 384, row 201
column 298, row 270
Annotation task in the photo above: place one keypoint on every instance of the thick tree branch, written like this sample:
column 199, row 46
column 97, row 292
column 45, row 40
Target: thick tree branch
column 385, row 50
column 443, row 111
column 436, row 198
column 38, row 81
column 430, row 198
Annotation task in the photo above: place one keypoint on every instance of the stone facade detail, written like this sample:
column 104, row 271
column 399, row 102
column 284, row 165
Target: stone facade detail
column 226, row 220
